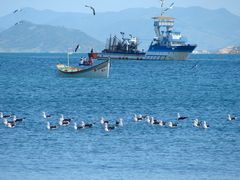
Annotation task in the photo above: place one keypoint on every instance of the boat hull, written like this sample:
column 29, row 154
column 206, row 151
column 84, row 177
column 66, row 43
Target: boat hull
column 121, row 56
column 98, row 71
column 167, row 56
column 155, row 52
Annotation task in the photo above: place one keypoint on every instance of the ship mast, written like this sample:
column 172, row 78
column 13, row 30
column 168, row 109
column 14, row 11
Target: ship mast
column 164, row 22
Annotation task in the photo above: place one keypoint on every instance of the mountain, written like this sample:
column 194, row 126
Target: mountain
column 210, row 29
column 28, row 37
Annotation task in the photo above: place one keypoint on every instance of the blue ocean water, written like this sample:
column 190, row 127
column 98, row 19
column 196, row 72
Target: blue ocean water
column 29, row 84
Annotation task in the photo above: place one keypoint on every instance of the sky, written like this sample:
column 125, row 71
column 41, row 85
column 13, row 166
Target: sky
column 7, row 6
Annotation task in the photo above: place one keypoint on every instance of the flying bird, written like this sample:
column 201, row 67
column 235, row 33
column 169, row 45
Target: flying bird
column 92, row 8
column 76, row 48
column 20, row 22
column 195, row 65
column 17, row 10
column 162, row 2
column 170, row 7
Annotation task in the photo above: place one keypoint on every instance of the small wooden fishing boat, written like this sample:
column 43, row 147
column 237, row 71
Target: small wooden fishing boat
column 98, row 71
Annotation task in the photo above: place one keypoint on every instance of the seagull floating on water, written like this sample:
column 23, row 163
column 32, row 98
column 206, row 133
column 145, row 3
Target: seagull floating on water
column 162, row 123
column 172, row 125
column 103, row 121
column 15, row 119
column 154, row 121
column 49, row 126
column 148, row 119
column 11, row 124
column 64, row 119
column 232, row 117
column 205, row 125
column 5, row 116
column 181, row 117
column 108, row 128
column 80, row 126
column 119, row 122
column 46, row 116
column 137, row 118
column 196, row 123
column 87, row 125
column 64, row 123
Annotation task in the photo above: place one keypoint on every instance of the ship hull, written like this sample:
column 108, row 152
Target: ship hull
column 167, row 56
column 157, row 52
column 121, row 56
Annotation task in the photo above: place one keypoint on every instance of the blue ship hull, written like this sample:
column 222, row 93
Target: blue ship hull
column 158, row 48
column 160, row 52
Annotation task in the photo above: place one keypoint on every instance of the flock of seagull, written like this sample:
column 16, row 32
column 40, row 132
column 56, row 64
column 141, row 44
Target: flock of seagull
column 11, row 120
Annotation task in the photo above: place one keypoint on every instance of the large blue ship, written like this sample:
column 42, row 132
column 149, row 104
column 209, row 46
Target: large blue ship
column 168, row 44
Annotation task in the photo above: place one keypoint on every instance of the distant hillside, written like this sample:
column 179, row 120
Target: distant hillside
column 29, row 37
column 210, row 29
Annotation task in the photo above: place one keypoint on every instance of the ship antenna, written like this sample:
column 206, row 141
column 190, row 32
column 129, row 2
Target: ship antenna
column 122, row 33
column 162, row 2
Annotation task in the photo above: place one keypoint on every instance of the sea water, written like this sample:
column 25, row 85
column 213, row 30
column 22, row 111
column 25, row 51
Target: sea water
column 206, row 87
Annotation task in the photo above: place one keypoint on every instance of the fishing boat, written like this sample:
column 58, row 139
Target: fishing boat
column 96, row 71
column 122, row 49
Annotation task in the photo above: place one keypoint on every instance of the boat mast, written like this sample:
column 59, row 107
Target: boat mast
column 163, row 25
column 68, row 57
